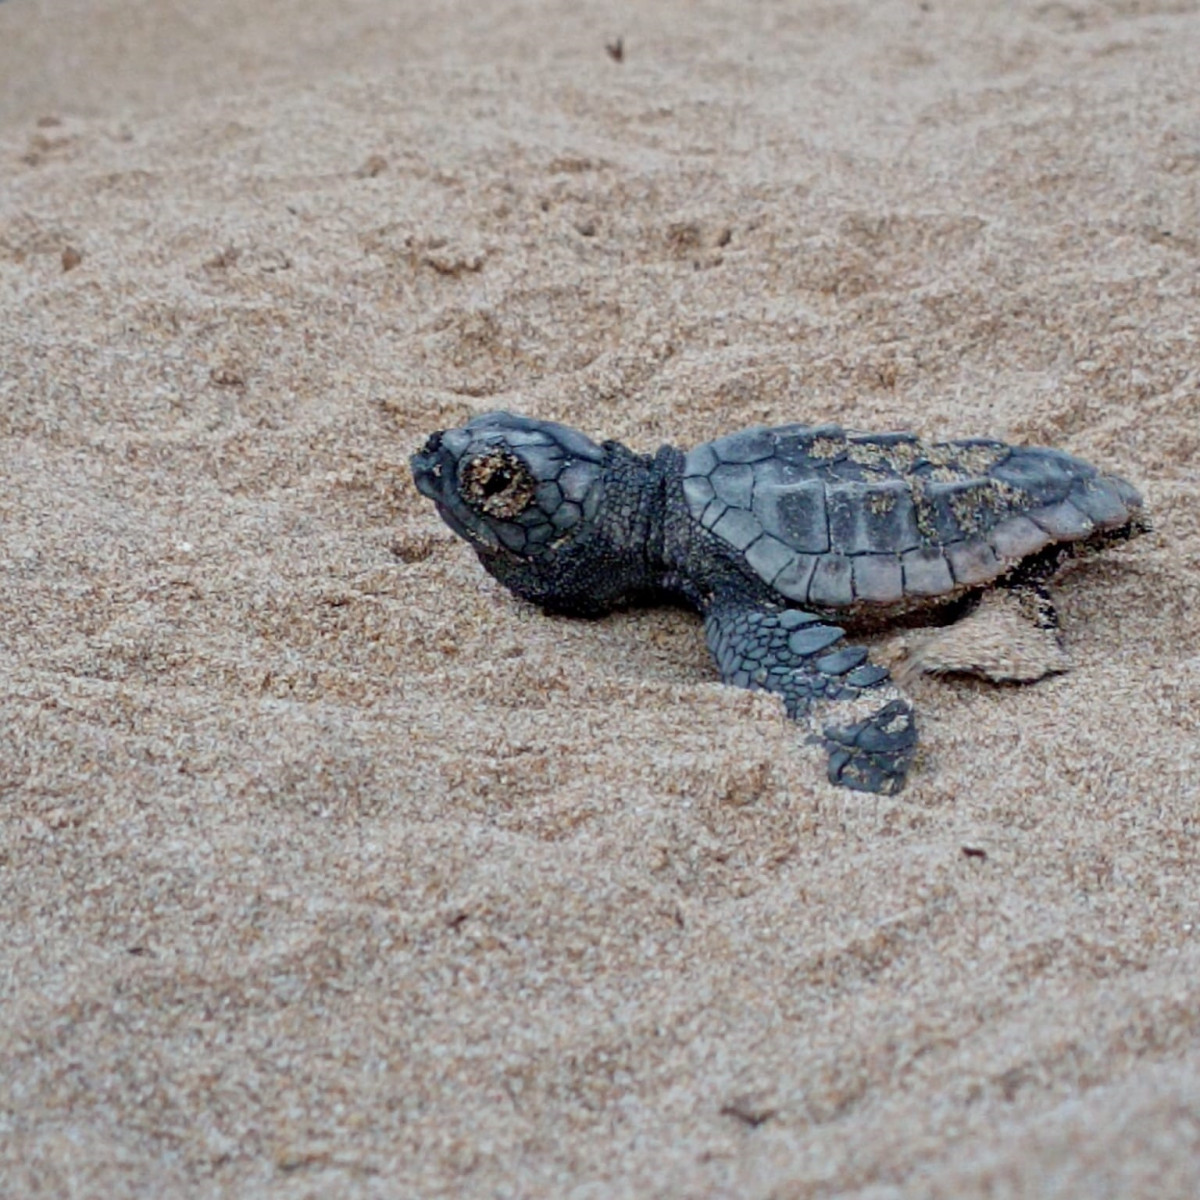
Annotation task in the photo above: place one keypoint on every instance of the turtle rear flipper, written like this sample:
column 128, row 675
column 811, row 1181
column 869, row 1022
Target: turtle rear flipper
column 1011, row 636
column 805, row 661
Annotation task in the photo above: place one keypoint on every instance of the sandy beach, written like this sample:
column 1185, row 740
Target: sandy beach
column 330, row 869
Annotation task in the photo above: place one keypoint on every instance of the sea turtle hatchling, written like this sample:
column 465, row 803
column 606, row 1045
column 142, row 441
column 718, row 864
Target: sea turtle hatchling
column 781, row 537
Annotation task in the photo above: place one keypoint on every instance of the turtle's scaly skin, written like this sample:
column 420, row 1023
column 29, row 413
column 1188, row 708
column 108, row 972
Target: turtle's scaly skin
column 774, row 534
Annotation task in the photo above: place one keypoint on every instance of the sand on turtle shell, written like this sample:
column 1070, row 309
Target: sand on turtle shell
column 330, row 869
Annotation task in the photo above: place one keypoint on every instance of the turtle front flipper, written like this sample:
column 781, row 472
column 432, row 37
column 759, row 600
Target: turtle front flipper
column 806, row 661
column 873, row 754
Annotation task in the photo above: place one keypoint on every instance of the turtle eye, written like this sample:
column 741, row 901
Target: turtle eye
column 497, row 483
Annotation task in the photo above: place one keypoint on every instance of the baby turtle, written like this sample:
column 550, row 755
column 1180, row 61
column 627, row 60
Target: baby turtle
column 782, row 537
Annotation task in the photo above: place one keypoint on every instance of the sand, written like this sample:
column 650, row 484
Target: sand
column 328, row 868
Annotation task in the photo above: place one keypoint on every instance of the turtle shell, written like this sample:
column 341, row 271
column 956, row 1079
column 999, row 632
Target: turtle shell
column 837, row 519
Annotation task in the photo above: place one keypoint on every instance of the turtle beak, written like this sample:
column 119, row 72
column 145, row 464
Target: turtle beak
column 427, row 467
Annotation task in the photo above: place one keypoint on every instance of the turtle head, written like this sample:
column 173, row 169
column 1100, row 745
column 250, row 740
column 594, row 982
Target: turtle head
column 528, row 497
